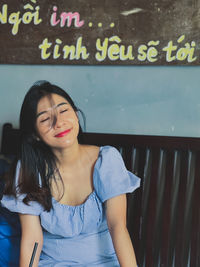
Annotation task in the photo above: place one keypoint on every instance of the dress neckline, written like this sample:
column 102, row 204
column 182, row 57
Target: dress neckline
column 92, row 194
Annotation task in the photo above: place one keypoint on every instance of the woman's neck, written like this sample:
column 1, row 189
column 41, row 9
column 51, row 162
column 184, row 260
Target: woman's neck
column 69, row 156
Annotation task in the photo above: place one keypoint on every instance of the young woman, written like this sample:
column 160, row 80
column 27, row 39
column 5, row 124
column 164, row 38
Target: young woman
column 71, row 198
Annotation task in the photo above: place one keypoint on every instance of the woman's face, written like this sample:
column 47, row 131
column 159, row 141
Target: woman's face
column 56, row 123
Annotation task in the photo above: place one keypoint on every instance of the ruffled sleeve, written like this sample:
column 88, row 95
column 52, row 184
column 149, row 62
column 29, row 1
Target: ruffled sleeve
column 16, row 204
column 111, row 178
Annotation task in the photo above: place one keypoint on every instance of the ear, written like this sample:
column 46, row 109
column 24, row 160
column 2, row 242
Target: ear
column 36, row 137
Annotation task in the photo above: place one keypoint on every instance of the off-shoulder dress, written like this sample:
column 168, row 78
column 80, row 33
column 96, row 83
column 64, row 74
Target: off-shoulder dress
column 79, row 235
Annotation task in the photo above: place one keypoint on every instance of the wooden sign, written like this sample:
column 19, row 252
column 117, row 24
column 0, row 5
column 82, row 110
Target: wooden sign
column 93, row 32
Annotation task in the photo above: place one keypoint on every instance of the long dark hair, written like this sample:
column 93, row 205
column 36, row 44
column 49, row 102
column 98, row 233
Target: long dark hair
column 38, row 162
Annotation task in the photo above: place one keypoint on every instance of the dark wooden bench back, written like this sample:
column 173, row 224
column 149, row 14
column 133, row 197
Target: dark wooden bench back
column 164, row 213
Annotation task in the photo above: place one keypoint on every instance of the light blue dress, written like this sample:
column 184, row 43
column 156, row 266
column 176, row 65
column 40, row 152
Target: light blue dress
column 79, row 235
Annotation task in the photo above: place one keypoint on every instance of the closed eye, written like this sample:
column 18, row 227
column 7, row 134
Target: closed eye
column 63, row 111
column 45, row 119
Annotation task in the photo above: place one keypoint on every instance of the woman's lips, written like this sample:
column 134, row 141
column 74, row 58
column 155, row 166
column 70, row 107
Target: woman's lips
column 63, row 133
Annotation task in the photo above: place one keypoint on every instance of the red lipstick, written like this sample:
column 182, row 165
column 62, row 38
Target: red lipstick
column 63, row 133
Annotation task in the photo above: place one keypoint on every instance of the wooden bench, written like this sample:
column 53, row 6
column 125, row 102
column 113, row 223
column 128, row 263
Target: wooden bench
column 163, row 215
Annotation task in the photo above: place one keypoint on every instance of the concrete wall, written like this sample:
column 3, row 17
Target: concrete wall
column 115, row 99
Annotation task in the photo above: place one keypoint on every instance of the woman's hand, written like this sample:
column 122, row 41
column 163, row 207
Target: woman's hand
column 31, row 233
column 116, row 218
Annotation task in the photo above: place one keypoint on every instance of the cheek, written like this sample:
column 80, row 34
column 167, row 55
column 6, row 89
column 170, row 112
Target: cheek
column 45, row 136
column 38, row 132
column 74, row 122
column 76, row 127
column 45, row 139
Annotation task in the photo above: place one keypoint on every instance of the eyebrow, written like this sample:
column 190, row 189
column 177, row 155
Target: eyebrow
column 56, row 106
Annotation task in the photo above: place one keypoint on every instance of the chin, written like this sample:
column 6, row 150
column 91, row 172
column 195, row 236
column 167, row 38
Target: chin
column 66, row 144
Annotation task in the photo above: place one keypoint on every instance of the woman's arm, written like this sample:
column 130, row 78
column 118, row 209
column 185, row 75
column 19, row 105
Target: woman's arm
column 116, row 218
column 31, row 233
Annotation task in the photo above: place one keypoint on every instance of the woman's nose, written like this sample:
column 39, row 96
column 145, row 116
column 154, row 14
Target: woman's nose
column 58, row 121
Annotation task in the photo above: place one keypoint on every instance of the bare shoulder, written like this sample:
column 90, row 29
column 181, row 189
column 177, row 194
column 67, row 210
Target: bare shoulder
column 91, row 151
column 94, row 149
